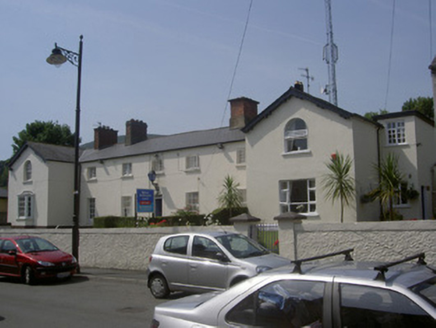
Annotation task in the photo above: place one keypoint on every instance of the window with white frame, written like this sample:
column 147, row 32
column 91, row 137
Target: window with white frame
column 192, row 201
column 295, row 136
column 126, row 206
column 91, row 208
column 27, row 171
column 243, row 193
column 298, row 196
column 240, row 156
column 192, row 162
column 157, row 164
column 396, row 133
column 92, row 173
column 25, row 205
column 127, row 169
column 401, row 198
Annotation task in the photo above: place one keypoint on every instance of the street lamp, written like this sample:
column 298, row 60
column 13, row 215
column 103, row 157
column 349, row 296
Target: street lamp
column 58, row 57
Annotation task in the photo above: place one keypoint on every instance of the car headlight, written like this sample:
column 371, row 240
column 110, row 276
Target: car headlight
column 262, row 268
column 73, row 260
column 44, row 263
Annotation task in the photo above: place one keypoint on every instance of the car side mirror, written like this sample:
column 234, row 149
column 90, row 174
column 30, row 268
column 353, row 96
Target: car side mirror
column 12, row 252
column 221, row 257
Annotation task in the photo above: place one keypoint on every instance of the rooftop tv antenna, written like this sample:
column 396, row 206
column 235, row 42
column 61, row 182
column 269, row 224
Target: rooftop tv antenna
column 331, row 56
column 308, row 77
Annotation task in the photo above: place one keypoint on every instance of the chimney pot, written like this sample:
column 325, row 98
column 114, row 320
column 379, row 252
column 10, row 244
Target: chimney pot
column 299, row 85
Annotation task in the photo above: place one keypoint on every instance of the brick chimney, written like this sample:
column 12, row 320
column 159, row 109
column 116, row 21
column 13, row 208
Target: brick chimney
column 242, row 111
column 136, row 131
column 104, row 137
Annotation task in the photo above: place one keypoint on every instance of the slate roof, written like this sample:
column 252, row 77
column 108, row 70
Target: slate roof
column 166, row 143
column 294, row 92
column 47, row 152
column 404, row 114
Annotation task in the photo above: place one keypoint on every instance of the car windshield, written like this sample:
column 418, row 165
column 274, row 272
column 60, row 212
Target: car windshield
column 240, row 246
column 427, row 290
column 28, row 245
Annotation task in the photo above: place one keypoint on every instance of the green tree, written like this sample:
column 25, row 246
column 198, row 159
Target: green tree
column 230, row 197
column 390, row 178
column 338, row 183
column 421, row 104
column 3, row 174
column 47, row 132
column 370, row 115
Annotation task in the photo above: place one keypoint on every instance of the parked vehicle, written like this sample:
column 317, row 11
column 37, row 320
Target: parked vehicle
column 345, row 294
column 202, row 262
column 33, row 258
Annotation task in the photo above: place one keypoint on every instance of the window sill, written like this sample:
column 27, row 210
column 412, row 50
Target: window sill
column 92, row 180
column 397, row 145
column 127, row 177
column 28, row 182
column 298, row 152
column 241, row 165
column 22, row 219
column 194, row 169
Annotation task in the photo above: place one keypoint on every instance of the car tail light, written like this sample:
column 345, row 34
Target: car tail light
column 154, row 324
column 150, row 258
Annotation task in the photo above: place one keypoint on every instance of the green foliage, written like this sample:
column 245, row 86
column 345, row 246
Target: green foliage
column 390, row 178
column 421, row 104
column 338, row 183
column 370, row 115
column 114, row 222
column 230, row 197
column 3, row 174
column 47, row 132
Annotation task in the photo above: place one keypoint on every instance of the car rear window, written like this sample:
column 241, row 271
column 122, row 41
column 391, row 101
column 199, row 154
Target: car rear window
column 178, row 245
column 427, row 290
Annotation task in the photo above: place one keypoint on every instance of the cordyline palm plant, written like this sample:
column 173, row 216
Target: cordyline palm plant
column 230, row 197
column 390, row 180
column 338, row 183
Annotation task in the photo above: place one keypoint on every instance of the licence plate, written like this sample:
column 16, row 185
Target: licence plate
column 63, row 275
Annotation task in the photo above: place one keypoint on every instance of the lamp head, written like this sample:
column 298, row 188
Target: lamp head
column 56, row 58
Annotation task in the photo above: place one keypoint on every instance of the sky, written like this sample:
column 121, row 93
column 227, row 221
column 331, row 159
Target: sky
column 174, row 64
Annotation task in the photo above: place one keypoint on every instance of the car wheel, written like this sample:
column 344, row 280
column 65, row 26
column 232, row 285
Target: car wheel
column 158, row 286
column 28, row 277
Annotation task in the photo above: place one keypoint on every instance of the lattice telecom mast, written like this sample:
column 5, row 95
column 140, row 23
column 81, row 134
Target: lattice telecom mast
column 331, row 56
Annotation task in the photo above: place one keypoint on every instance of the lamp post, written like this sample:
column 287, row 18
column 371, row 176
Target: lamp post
column 58, row 57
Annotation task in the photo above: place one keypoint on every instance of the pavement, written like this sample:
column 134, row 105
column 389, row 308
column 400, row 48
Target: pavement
column 133, row 276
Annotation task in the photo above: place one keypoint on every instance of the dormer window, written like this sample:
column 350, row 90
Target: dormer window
column 28, row 171
column 295, row 136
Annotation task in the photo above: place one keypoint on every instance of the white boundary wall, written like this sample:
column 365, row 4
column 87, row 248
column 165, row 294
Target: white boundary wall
column 130, row 248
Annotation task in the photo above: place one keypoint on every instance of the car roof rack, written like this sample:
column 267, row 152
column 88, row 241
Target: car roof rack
column 297, row 268
column 385, row 267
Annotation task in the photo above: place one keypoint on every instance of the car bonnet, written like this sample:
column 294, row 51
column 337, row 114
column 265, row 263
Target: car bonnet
column 271, row 260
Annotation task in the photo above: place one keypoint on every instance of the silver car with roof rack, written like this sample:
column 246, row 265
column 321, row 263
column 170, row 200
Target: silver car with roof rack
column 308, row 294
column 206, row 261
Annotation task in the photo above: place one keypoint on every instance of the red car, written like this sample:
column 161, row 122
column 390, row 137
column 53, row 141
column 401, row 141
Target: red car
column 32, row 258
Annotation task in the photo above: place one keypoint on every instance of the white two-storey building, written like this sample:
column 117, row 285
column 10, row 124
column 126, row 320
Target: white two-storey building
column 278, row 158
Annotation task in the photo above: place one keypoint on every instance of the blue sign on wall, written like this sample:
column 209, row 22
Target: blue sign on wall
column 145, row 200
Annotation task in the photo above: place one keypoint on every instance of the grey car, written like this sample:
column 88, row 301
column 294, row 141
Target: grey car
column 206, row 261
column 334, row 294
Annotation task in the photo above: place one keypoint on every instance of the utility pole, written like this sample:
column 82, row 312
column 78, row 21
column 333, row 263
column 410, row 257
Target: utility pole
column 331, row 55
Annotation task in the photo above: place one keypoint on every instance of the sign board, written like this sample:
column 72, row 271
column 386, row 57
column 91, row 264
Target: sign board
column 145, row 200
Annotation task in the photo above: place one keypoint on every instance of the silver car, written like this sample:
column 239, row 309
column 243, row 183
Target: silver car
column 335, row 294
column 203, row 262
